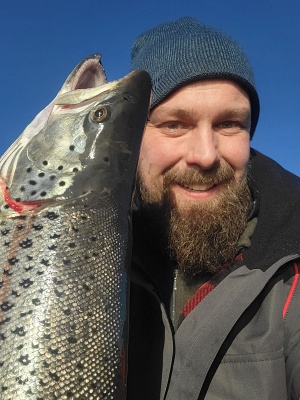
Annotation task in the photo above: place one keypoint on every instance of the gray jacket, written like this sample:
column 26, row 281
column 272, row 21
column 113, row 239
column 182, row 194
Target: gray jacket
column 243, row 340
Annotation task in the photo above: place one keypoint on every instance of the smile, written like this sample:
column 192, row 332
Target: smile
column 196, row 187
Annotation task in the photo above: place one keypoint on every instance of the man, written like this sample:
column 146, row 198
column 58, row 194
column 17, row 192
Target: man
column 215, row 294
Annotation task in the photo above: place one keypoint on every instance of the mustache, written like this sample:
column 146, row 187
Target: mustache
column 215, row 176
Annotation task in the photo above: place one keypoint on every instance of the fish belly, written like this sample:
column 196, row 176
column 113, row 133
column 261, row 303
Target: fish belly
column 63, row 304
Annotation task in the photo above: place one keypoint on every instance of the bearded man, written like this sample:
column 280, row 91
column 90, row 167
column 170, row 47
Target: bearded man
column 214, row 309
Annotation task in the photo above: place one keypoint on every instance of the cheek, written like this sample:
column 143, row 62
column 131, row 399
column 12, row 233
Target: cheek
column 156, row 156
column 237, row 153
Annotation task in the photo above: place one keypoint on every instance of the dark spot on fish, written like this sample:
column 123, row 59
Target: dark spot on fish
column 33, row 193
column 93, row 386
column 106, row 159
column 41, row 174
column 18, row 199
column 37, row 227
column 20, row 331
column 20, row 347
column 29, row 268
column 67, row 311
column 22, row 189
column 53, row 350
column 128, row 97
column 72, row 340
column 15, row 293
column 84, row 217
column 24, row 360
column 58, row 281
column 4, row 321
column 40, row 273
column 7, row 272
column 66, row 261
column 52, row 177
column 42, row 383
column 32, row 182
column 75, row 169
column 29, row 169
column 2, row 337
column 12, row 261
column 20, row 227
column 6, row 206
column 52, row 247
column 54, row 236
column 24, row 314
column 62, row 183
column 75, row 229
column 45, row 162
column 6, row 306
column 26, row 283
column 58, row 293
column 73, row 325
column 72, row 245
column 95, row 254
column 36, row 302
column 45, row 262
column 54, row 376
column 26, row 243
column 46, row 365
column 60, row 167
column 69, row 394
column 43, row 194
column 47, row 336
column 72, row 147
column 86, row 287
column 4, row 232
column 51, row 215
column 6, row 244
column 29, row 258
column 80, row 366
column 3, row 388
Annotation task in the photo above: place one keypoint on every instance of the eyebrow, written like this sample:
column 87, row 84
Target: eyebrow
column 240, row 112
column 173, row 112
column 229, row 112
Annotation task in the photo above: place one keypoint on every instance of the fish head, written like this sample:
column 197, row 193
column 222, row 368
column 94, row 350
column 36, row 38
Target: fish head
column 88, row 145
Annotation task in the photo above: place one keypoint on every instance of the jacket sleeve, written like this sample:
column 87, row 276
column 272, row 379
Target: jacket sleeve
column 292, row 336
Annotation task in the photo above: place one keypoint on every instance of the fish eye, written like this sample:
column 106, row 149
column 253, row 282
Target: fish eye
column 100, row 114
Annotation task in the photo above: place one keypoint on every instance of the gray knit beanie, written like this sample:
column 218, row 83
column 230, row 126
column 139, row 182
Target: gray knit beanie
column 183, row 51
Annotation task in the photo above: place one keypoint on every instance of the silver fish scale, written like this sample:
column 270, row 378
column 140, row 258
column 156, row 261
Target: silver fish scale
column 66, row 341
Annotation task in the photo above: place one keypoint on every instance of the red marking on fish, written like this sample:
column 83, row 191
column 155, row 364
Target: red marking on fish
column 21, row 207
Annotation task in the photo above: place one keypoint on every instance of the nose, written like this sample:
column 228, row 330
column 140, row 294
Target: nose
column 202, row 148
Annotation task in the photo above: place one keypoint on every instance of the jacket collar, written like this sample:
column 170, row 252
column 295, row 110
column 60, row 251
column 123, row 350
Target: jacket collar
column 277, row 233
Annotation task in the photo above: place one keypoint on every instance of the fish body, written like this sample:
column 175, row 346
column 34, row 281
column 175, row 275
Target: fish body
column 65, row 240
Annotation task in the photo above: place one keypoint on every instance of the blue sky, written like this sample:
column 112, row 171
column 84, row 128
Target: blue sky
column 42, row 41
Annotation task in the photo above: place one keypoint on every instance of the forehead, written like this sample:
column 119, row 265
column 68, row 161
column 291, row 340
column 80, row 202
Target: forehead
column 209, row 90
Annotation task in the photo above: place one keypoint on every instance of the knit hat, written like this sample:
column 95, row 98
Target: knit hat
column 185, row 50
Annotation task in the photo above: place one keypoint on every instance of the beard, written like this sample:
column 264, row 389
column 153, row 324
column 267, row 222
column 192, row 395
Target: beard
column 201, row 237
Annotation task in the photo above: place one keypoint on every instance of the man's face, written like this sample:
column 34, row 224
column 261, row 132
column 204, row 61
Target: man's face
column 201, row 127
column 195, row 153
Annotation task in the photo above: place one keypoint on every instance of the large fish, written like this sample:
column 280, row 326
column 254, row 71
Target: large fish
column 66, row 188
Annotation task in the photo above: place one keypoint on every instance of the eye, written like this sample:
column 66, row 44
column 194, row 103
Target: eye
column 100, row 114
